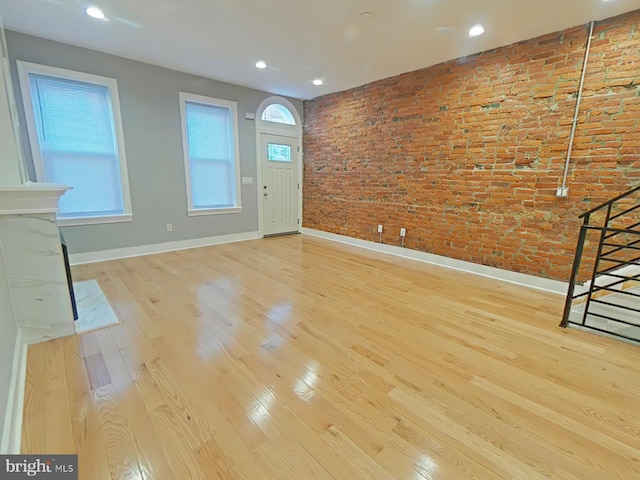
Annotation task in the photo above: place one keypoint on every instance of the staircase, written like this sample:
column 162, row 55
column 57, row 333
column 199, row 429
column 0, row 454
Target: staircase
column 604, row 288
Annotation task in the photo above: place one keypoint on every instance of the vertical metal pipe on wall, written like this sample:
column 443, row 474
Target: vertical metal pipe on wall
column 577, row 110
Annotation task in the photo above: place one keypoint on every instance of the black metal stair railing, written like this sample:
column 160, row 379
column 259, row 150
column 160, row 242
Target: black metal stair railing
column 618, row 247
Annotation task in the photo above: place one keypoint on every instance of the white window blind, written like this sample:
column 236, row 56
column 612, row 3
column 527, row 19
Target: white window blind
column 75, row 141
column 211, row 157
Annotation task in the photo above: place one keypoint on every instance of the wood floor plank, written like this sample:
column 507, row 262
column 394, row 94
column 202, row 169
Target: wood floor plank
column 177, row 449
column 212, row 459
column 33, row 425
column 294, row 357
column 146, row 442
column 57, row 429
column 113, row 424
column 89, row 446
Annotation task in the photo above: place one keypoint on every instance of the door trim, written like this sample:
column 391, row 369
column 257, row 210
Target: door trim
column 271, row 128
column 293, row 225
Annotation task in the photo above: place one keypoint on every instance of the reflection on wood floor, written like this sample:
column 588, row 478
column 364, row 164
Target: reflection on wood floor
column 297, row 358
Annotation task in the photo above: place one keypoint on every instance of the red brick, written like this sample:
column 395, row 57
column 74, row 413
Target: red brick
column 476, row 180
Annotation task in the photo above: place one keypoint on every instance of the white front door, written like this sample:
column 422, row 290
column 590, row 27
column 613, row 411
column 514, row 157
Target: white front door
column 279, row 189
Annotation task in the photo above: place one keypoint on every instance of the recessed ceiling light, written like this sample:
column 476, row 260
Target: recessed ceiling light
column 317, row 82
column 261, row 64
column 95, row 12
column 476, row 30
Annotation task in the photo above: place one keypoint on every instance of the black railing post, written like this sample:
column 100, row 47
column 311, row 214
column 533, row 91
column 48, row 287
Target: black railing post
column 599, row 273
column 596, row 264
column 574, row 272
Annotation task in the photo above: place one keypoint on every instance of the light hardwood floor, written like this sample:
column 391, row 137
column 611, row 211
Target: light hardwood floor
column 296, row 358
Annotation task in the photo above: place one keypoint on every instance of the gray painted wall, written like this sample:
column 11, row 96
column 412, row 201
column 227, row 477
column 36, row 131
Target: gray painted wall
column 8, row 333
column 153, row 142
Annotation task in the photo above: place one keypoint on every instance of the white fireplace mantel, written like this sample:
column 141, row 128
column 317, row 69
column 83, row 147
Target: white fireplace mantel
column 30, row 198
column 30, row 242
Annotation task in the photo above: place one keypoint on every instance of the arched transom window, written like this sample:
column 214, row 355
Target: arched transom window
column 277, row 113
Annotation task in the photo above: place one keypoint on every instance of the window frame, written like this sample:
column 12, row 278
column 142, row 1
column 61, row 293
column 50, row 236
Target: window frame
column 232, row 107
column 27, row 68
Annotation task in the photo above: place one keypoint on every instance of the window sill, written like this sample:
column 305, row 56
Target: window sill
column 214, row 211
column 68, row 222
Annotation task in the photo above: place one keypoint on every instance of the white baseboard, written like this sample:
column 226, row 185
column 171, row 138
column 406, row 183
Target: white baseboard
column 545, row 284
column 137, row 251
column 12, row 432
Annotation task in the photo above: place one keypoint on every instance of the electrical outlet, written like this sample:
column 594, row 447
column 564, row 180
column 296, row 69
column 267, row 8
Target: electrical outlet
column 380, row 228
column 169, row 227
column 403, row 232
column 562, row 192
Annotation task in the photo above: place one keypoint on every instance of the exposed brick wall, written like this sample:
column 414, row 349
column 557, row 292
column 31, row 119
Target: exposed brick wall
column 467, row 155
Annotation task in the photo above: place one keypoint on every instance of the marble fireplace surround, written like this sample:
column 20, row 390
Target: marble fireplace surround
column 30, row 241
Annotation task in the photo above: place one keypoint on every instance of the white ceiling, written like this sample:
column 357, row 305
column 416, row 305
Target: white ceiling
column 299, row 39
